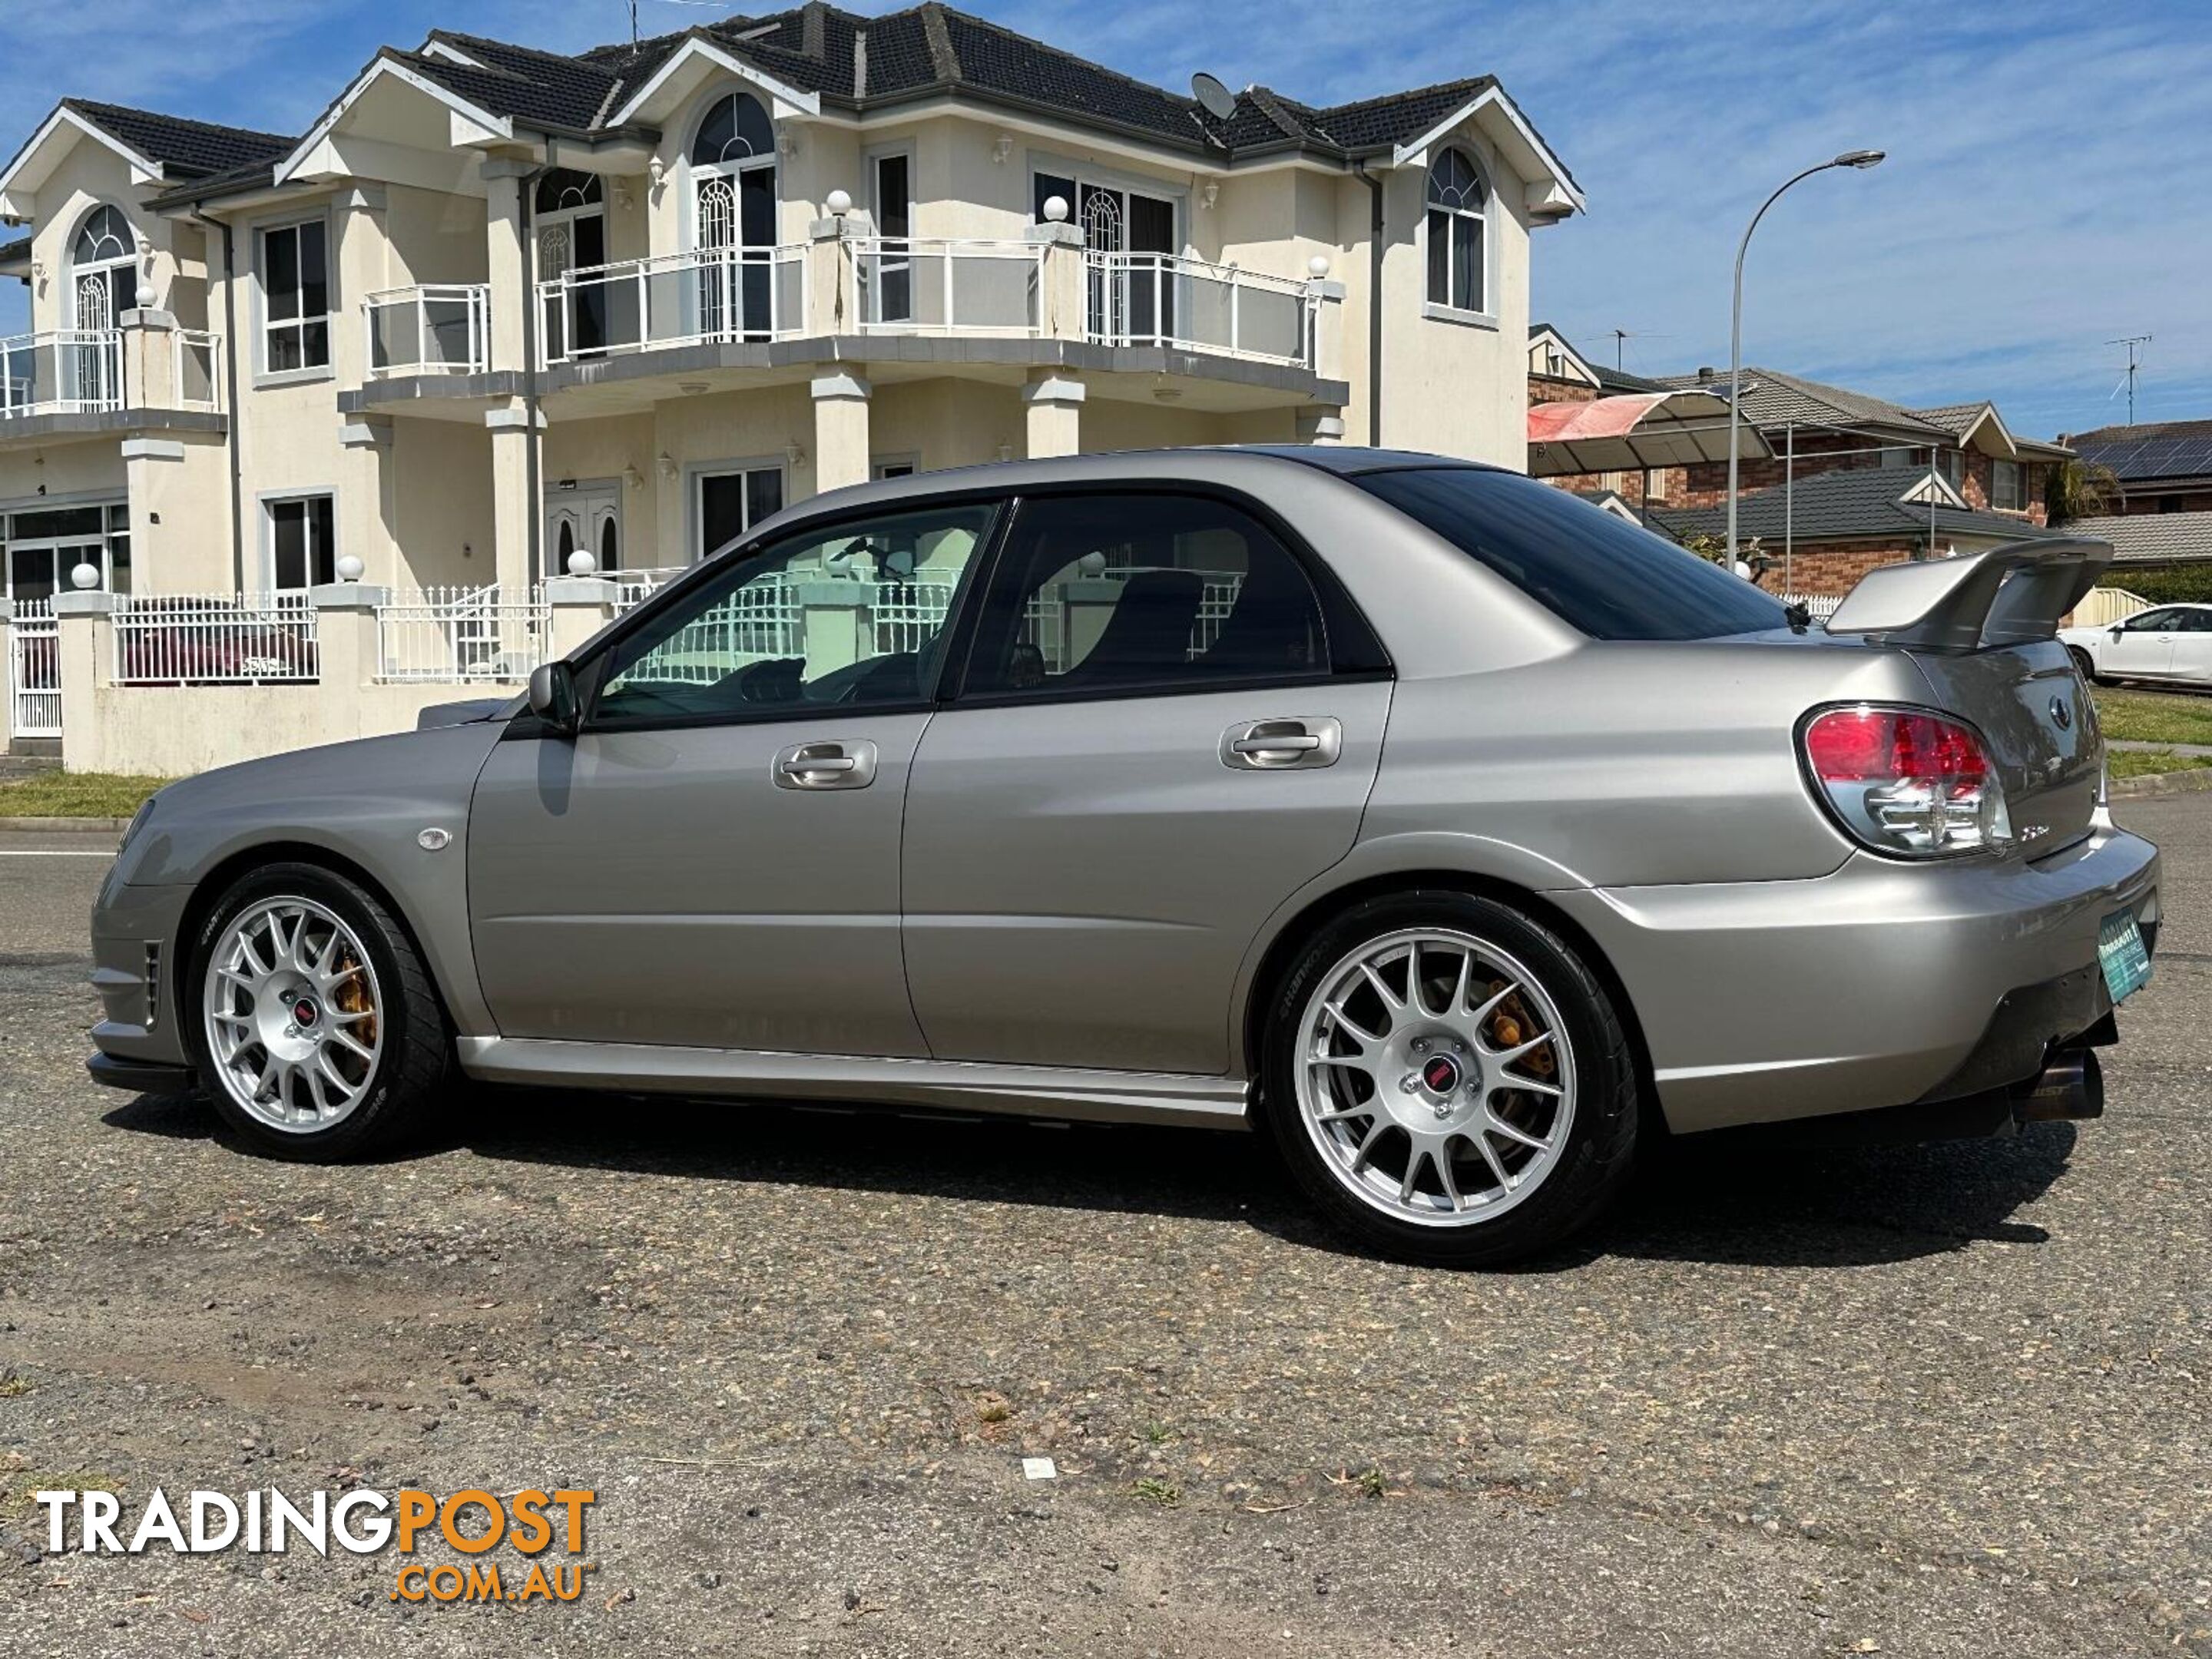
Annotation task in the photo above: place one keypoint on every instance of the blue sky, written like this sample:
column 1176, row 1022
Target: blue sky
column 2049, row 186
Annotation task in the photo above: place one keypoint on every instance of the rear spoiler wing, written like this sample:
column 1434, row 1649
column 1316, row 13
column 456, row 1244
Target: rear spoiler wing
column 2010, row 595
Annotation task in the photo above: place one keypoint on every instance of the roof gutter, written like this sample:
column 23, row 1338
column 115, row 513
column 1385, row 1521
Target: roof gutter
column 1374, row 303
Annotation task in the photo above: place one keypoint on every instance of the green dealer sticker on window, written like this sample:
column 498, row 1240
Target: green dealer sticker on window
column 2120, row 949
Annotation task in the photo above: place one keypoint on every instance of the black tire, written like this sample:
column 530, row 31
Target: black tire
column 1600, row 1149
column 407, row 1073
column 2086, row 665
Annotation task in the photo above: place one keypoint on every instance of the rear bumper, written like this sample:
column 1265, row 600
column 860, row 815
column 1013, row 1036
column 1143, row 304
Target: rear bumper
column 1880, row 984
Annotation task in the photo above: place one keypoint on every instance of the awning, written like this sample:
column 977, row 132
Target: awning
column 1633, row 431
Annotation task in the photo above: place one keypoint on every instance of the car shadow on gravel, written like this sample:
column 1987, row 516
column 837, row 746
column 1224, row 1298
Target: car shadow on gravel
column 1744, row 1199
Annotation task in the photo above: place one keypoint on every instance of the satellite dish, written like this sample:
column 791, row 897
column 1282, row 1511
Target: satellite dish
column 1214, row 98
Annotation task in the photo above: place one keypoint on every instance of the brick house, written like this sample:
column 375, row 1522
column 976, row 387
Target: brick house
column 1984, row 484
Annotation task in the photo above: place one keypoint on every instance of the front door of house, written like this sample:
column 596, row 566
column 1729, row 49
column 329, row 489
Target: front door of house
column 584, row 518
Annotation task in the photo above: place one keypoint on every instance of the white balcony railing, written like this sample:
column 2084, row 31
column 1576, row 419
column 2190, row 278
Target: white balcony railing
column 1166, row 300
column 442, row 329
column 706, row 295
column 63, row 372
column 195, row 369
column 910, row 286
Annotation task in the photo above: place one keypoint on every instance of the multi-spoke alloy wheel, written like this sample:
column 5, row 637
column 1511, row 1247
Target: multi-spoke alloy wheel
column 1448, row 1078
column 317, row 1029
column 1434, row 1077
column 292, row 1007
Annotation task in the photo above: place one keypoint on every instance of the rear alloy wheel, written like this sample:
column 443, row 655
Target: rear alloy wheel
column 1450, row 1081
column 318, row 1034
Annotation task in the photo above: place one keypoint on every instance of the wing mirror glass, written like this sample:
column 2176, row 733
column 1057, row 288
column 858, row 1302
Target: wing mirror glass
column 553, row 696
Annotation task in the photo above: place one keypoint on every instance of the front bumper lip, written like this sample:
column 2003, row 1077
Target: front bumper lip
column 141, row 1077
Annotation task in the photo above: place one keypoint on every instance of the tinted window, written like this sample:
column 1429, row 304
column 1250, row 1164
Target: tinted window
column 2150, row 621
column 1110, row 594
column 1598, row 573
column 852, row 616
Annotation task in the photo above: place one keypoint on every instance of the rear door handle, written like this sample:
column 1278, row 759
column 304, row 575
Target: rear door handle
column 825, row 766
column 1282, row 745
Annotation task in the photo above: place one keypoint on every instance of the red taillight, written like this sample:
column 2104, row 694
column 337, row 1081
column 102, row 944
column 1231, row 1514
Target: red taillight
column 1905, row 781
column 1854, row 745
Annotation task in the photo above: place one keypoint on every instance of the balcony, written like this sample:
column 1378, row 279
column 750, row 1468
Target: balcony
column 706, row 296
column 1189, row 305
column 911, row 286
column 70, row 379
column 441, row 329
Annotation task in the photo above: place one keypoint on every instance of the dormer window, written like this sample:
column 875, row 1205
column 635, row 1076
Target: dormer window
column 103, row 278
column 1457, row 206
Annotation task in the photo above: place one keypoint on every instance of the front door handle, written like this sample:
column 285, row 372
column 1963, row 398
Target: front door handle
column 1282, row 745
column 825, row 766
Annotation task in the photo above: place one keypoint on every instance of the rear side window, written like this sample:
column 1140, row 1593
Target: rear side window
column 1117, row 595
column 1596, row 572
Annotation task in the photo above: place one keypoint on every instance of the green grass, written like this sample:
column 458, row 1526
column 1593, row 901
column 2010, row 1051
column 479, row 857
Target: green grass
column 2154, row 717
column 2147, row 763
column 1165, row 1493
column 75, row 795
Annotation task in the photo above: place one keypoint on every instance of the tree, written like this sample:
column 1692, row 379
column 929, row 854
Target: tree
column 2081, row 490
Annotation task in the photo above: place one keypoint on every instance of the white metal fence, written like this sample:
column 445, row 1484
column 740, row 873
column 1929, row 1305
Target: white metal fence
column 1819, row 606
column 707, row 293
column 442, row 329
column 1166, row 300
column 216, row 639
column 908, row 614
column 461, row 636
column 34, row 671
column 950, row 286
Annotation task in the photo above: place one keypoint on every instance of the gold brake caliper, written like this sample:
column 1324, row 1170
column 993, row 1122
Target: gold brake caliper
column 1511, row 1025
column 352, row 998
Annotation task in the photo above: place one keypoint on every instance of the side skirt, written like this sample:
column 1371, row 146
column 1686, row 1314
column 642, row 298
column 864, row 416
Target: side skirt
column 1215, row 1102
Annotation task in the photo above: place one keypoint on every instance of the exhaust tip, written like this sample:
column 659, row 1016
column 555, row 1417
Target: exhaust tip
column 2070, row 1088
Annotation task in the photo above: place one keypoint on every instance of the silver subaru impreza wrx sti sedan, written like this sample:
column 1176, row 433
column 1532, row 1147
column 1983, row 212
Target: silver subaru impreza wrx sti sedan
column 1455, row 832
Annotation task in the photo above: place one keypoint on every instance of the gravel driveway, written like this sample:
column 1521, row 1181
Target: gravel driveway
column 1908, row 1401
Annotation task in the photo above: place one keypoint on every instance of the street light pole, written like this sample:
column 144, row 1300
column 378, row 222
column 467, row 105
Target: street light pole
column 1861, row 158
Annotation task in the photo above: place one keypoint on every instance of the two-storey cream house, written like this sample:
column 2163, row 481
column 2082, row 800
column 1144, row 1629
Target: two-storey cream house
column 499, row 307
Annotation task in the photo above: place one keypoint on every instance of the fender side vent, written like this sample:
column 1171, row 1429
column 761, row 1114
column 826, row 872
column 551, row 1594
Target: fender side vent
column 153, row 984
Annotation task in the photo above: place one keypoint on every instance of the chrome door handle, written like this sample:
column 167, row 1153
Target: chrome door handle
column 825, row 766
column 1282, row 745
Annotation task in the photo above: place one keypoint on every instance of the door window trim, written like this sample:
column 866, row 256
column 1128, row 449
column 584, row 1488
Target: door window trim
column 1356, row 650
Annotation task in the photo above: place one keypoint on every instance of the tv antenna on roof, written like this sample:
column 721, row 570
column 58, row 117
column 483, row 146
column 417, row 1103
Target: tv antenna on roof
column 2129, row 380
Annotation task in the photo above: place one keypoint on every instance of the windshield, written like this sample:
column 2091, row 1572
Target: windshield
column 1595, row 571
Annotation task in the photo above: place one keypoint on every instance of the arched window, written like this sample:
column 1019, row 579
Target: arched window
column 103, row 270
column 1458, row 199
column 734, row 129
column 733, row 217
column 564, row 189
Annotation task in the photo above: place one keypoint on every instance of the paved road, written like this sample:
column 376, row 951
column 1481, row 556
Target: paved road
column 1925, row 1402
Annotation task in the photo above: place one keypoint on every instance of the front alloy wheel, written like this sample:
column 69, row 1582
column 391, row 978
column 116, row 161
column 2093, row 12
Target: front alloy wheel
column 291, row 1007
column 319, row 1032
column 1448, row 1080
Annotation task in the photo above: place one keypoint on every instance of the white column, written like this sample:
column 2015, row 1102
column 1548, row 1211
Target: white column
column 841, row 428
column 507, row 266
column 85, row 641
column 512, row 508
column 1055, row 403
column 581, row 606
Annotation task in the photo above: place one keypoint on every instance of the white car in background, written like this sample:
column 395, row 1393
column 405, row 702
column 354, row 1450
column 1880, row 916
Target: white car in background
column 2165, row 642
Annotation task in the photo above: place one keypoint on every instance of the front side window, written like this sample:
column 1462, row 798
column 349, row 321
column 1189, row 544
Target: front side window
column 1117, row 594
column 295, row 298
column 849, row 618
column 1596, row 572
column 302, row 551
column 1457, row 201
column 2007, row 487
column 2151, row 622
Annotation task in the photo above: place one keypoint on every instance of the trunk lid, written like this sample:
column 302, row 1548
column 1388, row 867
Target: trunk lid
column 2041, row 727
column 1982, row 630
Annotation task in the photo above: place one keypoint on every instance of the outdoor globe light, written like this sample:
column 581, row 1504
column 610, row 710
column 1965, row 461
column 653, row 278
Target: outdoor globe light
column 1055, row 208
column 839, row 202
column 350, row 568
column 581, row 563
column 85, row 577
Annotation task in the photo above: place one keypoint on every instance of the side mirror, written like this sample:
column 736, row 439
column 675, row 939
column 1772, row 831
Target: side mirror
column 2117, row 630
column 553, row 696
